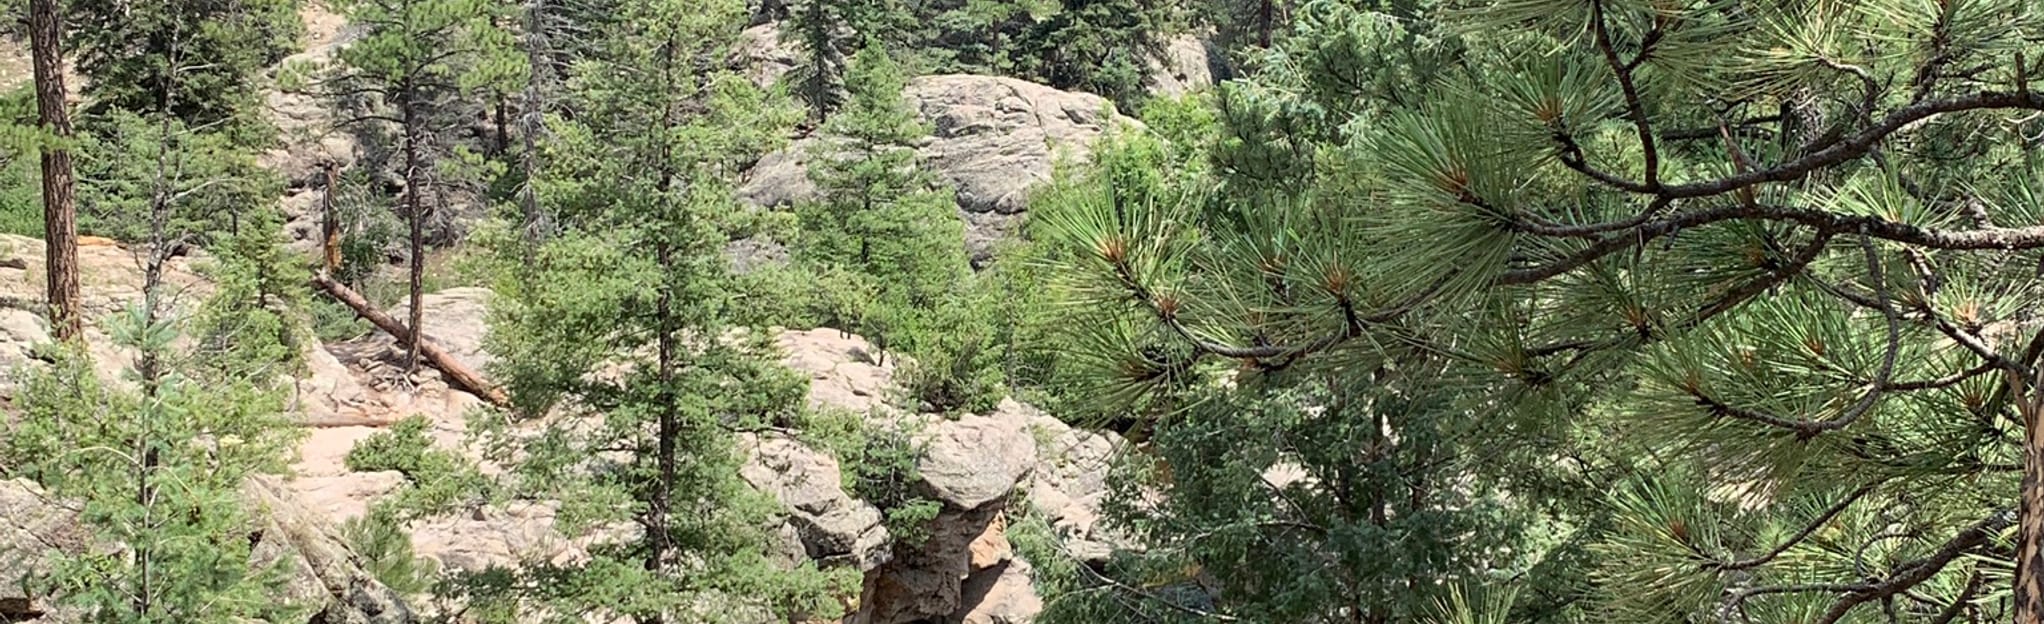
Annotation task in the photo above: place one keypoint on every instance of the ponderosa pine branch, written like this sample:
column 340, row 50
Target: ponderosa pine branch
column 1793, row 266
column 1913, row 573
column 1633, row 105
column 1887, row 371
column 1807, row 530
column 2023, row 238
column 1942, row 382
column 1859, row 144
column 1737, row 601
column 1958, row 605
column 1756, row 124
column 1832, row 153
column 1167, row 313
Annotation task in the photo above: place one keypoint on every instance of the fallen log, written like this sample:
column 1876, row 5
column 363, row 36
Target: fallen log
column 458, row 375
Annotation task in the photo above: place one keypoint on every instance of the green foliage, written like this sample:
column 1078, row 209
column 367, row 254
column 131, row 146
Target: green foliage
column 380, row 540
column 437, row 480
column 199, row 61
column 211, row 182
column 406, row 44
column 820, row 28
column 1691, row 249
column 878, row 465
column 887, row 247
column 1099, row 46
column 249, row 327
column 623, row 326
column 369, row 224
column 21, row 199
column 161, row 479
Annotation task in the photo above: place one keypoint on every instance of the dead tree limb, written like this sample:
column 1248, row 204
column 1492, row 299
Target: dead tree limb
column 458, row 375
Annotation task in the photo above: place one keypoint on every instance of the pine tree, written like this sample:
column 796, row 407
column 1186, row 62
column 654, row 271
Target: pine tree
column 60, row 195
column 200, row 61
column 821, row 30
column 886, row 227
column 417, row 57
column 162, row 478
column 625, row 336
column 1806, row 329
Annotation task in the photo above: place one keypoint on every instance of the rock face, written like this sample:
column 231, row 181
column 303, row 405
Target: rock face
column 33, row 528
column 833, row 528
column 761, row 55
column 110, row 281
column 975, row 460
column 993, row 139
column 971, row 466
column 840, row 367
column 1186, row 64
column 1069, row 483
column 310, row 142
column 325, row 571
column 996, row 138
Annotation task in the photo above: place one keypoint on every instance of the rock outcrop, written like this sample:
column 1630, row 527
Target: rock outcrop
column 993, row 139
column 1187, row 63
column 832, row 527
column 762, row 55
column 34, row 528
column 305, row 121
column 976, row 467
column 110, row 281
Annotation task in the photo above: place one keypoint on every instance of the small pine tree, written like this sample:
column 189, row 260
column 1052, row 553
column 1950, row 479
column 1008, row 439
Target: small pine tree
column 820, row 30
column 199, row 61
column 160, row 473
column 880, row 215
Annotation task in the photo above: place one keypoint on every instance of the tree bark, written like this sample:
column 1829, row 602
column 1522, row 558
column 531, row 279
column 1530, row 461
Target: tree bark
column 60, row 206
column 2029, row 590
column 669, row 421
column 415, row 218
column 329, row 224
column 532, row 121
column 459, row 375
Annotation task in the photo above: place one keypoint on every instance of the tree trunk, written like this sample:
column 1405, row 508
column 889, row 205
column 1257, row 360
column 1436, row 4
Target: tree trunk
column 60, row 206
column 329, row 225
column 2029, row 590
column 459, row 375
column 669, row 425
column 532, row 122
column 670, row 422
column 415, row 190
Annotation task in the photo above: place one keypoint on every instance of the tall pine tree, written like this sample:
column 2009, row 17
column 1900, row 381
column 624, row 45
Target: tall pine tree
column 418, row 57
column 624, row 334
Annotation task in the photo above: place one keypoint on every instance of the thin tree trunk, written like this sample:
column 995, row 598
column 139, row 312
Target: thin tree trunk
column 60, row 206
column 415, row 191
column 329, row 224
column 1266, row 19
column 533, row 121
column 670, row 422
column 2029, row 590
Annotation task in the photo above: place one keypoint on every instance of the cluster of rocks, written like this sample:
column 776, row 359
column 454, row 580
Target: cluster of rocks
column 977, row 466
column 993, row 139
